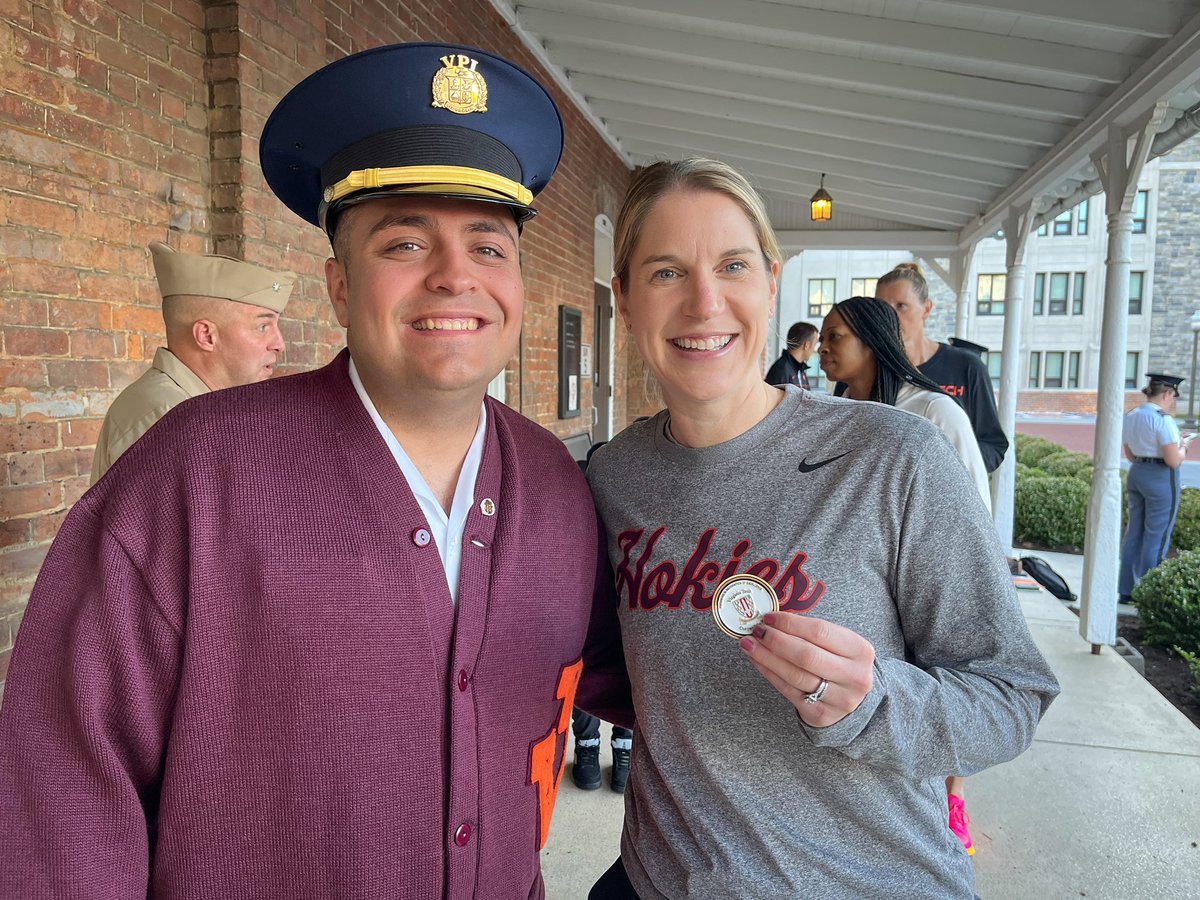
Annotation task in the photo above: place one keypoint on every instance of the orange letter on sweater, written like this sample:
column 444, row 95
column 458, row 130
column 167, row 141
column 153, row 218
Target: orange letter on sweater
column 543, row 752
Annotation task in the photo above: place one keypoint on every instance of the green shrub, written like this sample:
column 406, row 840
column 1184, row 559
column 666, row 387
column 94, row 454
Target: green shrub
column 1030, row 450
column 1186, row 535
column 1067, row 464
column 1193, row 661
column 1168, row 601
column 1050, row 512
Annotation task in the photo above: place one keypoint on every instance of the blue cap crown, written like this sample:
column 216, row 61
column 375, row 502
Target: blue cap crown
column 433, row 119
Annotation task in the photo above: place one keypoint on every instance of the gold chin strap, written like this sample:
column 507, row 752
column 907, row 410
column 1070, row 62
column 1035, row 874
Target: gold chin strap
column 365, row 179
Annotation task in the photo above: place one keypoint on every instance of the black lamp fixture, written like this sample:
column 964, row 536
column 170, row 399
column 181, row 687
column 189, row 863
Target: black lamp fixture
column 822, row 203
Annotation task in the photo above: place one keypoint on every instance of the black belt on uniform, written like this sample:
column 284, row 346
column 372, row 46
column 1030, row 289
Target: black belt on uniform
column 1150, row 459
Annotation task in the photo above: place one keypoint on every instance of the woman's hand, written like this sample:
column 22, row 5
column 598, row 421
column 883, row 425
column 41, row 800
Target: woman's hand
column 797, row 654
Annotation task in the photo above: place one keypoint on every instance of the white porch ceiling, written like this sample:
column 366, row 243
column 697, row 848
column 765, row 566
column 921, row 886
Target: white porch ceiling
column 925, row 115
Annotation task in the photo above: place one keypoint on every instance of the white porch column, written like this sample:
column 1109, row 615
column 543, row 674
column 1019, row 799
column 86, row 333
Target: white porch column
column 1016, row 238
column 1119, row 166
column 960, row 270
column 955, row 278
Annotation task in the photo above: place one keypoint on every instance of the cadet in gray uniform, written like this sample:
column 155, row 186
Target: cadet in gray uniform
column 1155, row 450
column 222, row 322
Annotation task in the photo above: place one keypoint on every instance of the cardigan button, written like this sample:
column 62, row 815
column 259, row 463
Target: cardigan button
column 420, row 537
column 463, row 836
column 463, row 680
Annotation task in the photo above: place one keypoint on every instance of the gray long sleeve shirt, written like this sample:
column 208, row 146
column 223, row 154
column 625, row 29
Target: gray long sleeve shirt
column 859, row 514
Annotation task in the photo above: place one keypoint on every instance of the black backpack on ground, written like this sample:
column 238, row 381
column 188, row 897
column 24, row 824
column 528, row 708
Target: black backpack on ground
column 1043, row 573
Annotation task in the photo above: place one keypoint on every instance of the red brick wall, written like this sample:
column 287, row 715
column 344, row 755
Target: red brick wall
column 1079, row 402
column 128, row 121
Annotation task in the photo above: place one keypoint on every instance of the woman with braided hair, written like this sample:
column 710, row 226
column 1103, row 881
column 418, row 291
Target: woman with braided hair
column 862, row 350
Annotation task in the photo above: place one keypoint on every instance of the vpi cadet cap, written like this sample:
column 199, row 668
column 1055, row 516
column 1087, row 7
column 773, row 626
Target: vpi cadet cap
column 434, row 119
column 219, row 276
column 1172, row 381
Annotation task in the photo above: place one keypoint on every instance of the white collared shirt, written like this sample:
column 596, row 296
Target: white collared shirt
column 1146, row 429
column 447, row 530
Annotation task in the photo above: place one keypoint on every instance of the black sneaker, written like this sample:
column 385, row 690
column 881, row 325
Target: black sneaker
column 585, row 771
column 620, row 769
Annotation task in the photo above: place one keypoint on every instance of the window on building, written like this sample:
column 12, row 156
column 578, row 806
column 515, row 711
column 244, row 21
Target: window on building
column 1139, row 212
column 1137, row 281
column 1131, row 371
column 1059, row 282
column 1043, row 230
column 822, row 294
column 1054, row 371
column 994, row 359
column 1035, row 369
column 1073, row 370
column 863, row 287
column 1062, row 223
column 989, row 295
column 1077, row 286
column 1081, row 218
column 1039, row 293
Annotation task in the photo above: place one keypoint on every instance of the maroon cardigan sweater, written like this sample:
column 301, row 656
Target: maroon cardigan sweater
column 240, row 673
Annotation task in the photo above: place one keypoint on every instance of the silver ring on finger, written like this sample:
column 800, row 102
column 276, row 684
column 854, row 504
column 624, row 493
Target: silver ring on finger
column 819, row 694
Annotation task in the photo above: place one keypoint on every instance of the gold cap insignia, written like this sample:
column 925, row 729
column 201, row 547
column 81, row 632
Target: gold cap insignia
column 458, row 87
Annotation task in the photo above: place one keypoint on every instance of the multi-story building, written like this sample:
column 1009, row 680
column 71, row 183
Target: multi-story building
column 1064, row 290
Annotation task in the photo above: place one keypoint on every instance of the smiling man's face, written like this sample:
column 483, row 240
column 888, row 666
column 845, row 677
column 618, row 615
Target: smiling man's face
column 431, row 293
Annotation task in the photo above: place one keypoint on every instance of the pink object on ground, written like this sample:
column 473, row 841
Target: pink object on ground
column 960, row 822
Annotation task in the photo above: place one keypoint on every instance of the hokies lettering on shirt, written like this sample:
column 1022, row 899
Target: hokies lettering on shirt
column 446, row 530
column 730, row 793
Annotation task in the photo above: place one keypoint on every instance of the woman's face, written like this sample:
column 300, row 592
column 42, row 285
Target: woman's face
column 911, row 312
column 843, row 356
column 697, row 298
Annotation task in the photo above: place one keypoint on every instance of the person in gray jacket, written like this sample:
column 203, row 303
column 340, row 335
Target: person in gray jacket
column 803, row 677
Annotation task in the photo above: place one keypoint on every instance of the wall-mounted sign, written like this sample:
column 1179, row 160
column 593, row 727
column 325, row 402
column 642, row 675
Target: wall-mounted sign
column 570, row 330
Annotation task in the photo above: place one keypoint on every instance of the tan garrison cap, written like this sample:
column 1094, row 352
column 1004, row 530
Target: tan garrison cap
column 220, row 276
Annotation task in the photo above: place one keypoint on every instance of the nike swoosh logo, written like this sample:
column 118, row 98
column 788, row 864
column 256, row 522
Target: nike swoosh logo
column 806, row 466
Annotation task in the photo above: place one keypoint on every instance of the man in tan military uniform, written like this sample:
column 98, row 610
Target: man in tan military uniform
column 222, row 318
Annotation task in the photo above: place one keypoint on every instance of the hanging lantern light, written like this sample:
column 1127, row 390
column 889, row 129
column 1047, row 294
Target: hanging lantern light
column 822, row 203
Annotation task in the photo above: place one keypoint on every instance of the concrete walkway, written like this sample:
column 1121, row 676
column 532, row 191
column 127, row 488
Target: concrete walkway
column 1104, row 805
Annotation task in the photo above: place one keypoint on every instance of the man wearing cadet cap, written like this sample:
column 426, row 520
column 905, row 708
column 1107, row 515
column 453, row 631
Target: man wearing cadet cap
column 1155, row 451
column 222, row 323
column 321, row 638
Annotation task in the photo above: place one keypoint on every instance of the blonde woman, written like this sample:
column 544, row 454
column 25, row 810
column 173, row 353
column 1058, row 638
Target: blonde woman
column 958, row 372
column 804, row 757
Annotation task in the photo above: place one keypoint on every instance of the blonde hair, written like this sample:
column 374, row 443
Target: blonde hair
column 651, row 183
column 911, row 273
